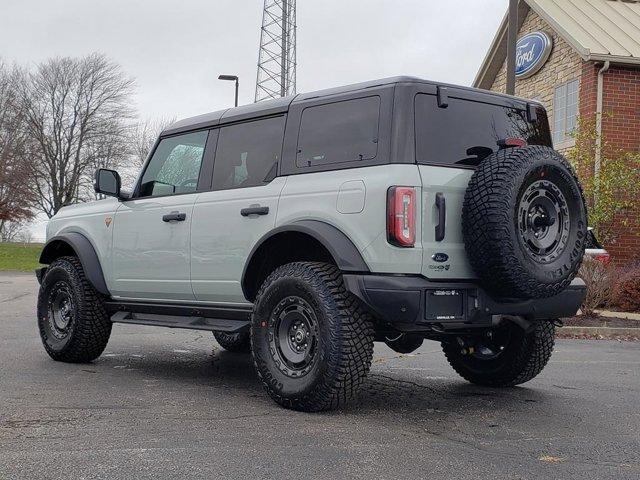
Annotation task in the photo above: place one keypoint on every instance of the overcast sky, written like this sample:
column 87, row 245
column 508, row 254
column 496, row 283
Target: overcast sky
column 176, row 48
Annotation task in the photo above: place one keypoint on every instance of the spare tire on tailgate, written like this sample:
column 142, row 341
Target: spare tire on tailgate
column 524, row 223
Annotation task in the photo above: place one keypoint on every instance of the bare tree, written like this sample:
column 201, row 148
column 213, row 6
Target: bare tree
column 144, row 136
column 77, row 112
column 25, row 235
column 9, row 230
column 16, row 196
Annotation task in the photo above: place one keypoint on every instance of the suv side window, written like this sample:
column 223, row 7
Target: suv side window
column 339, row 132
column 248, row 153
column 175, row 166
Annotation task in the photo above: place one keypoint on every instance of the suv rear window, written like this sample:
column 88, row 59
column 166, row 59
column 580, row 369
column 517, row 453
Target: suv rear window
column 339, row 132
column 466, row 132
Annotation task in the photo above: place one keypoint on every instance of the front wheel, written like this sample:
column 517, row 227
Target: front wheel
column 504, row 356
column 72, row 319
column 312, row 343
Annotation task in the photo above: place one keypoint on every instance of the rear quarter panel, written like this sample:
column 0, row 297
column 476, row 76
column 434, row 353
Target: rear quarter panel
column 326, row 196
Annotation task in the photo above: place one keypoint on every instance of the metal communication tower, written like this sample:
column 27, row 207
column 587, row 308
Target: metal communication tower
column 277, row 55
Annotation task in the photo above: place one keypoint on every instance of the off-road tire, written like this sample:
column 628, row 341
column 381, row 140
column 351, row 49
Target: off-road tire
column 522, row 359
column 344, row 337
column 238, row 342
column 494, row 227
column 89, row 326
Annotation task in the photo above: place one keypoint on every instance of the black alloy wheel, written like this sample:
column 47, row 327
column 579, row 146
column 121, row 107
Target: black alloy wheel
column 544, row 221
column 293, row 336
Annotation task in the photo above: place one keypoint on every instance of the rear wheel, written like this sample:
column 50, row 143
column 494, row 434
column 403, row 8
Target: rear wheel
column 504, row 356
column 312, row 343
column 234, row 342
column 74, row 325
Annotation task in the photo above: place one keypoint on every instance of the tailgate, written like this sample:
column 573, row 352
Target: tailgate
column 444, row 258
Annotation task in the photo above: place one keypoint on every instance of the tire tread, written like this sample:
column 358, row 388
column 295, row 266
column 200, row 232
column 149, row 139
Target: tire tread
column 92, row 327
column 531, row 357
column 351, row 342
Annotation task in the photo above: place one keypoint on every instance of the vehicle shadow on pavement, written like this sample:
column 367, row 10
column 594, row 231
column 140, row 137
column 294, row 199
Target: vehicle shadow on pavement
column 384, row 390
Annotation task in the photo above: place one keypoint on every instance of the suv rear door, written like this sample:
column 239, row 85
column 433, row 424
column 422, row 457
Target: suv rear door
column 451, row 139
column 238, row 210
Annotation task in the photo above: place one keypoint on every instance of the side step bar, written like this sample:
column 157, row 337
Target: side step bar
column 224, row 319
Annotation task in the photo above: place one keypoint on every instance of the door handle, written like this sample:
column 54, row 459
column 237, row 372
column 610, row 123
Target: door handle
column 254, row 210
column 174, row 217
column 441, row 206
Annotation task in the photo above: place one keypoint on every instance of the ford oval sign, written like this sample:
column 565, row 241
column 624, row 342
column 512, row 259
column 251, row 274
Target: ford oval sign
column 532, row 51
column 440, row 257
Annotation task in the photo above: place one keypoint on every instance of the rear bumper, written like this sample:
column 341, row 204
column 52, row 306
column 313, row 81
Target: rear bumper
column 413, row 303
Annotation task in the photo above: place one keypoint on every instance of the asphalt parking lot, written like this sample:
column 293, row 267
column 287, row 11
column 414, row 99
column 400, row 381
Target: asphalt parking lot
column 164, row 403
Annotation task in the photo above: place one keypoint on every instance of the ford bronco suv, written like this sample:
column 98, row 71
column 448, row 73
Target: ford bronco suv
column 305, row 228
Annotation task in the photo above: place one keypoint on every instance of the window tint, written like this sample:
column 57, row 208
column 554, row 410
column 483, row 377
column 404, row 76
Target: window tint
column 175, row 166
column 565, row 111
column 466, row 132
column 248, row 153
column 339, row 132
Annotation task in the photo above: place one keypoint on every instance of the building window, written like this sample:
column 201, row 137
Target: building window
column 565, row 111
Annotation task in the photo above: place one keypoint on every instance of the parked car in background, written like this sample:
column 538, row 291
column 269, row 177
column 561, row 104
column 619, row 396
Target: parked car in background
column 595, row 250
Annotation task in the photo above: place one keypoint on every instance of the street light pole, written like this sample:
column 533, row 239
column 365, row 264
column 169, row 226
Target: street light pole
column 512, row 38
column 232, row 78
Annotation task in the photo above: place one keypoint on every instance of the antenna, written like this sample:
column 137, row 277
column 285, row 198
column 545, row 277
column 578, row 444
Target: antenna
column 277, row 54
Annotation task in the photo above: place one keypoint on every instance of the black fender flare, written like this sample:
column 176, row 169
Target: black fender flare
column 84, row 251
column 346, row 255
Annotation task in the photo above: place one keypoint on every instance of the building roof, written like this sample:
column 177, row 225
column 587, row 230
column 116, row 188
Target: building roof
column 599, row 30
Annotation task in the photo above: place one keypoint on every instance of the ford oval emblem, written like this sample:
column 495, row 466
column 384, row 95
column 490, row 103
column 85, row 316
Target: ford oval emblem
column 532, row 51
column 440, row 257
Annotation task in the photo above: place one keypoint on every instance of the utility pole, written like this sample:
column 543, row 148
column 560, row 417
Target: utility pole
column 512, row 38
column 277, row 54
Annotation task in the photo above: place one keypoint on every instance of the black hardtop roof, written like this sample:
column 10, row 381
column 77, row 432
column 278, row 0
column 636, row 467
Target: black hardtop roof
column 281, row 105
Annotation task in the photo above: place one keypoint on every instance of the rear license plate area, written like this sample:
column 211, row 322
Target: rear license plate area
column 445, row 305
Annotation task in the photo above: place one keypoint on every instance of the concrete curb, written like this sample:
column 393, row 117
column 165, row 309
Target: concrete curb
column 605, row 332
column 627, row 315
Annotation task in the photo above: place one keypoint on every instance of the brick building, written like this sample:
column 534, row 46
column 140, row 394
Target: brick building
column 591, row 68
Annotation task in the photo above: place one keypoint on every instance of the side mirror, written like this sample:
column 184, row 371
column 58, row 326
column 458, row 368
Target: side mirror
column 107, row 182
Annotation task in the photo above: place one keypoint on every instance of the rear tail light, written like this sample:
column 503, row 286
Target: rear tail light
column 401, row 216
column 603, row 258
